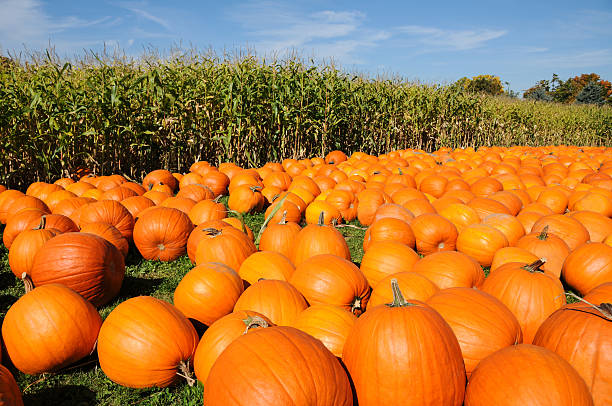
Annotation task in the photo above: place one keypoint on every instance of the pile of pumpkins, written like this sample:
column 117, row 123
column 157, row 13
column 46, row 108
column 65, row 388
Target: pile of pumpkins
column 290, row 319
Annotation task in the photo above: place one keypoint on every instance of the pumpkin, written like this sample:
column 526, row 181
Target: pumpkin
column 481, row 323
column 582, row 334
column 118, row 193
column 24, row 203
column 135, row 187
column 598, row 225
column 286, row 375
column 508, row 199
column 422, row 346
column 369, row 201
column 386, row 258
column 196, row 192
column 111, row 212
column 57, row 197
column 588, row 266
column 485, row 207
column 136, row 204
column 414, row 286
column 345, row 201
column 68, row 206
column 10, row 395
column 26, row 220
column 565, row 227
column 110, row 234
column 599, row 203
column 222, row 333
column 7, row 198
column 328, row 323
column 285, row 210
column 277, row 300
column 528, row 219
column 510, row 227
column 216, row 181
column 600, row 294
column 86, row 263
column 208, row 292
column 146, row 342
column 246, row 199
column 460, row 215
column 207, row 210
column 26, row 245
column 331, row 215
column 391, row 210
column 198, row 234
column 450, row 269
column 526, row 375
column 480, row 242
column 226, row 245
column 161, row 233
column 317, row 239
column 433, row 233
column 389, row 229
column 159, row 176
column 512, row 254
column 60, row 222
column 156, row 197
column 279, row 237
column 529, row 293
column 329, row 279
column 418, row 206
column 266, row 265
column 41, row 335
column 335, row 157
column 183, row 204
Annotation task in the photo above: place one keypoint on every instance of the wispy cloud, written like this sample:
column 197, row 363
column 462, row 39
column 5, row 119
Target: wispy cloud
column 437, row 39
column 148, row 16
column 276, row 27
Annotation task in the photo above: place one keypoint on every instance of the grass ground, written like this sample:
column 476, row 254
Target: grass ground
column 85, row 383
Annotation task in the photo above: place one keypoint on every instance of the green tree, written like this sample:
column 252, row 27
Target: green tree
column 488, row 84
column 591, row 93
column 539, row 94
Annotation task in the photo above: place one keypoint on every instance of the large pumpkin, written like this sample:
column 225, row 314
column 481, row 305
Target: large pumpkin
column 26, row 220
column 111, row 212
column 41, row 335
column 450, row 269
column 208, row 292
column 277, row 300
column 481, row 323
column 279, row 237
column 588, row 266
column 110, row 234
column 386, row 258
column 328, row 323
column 10, row 395
column 480, row 242
column 220, row 334
column 582, row 335
column 404, row 353
column 433, row 233
column 600, row 294
column 227, row 245
column 146, row 342
column 529, row 293
column 266, row 265
column 565, row 227
column 413, row 286
column 316, row 239
column 86, row 263
column 329, row 279
column 26, row 245
column 162, row 233
column 526, row 375
column 548, row 247
column 284, row 373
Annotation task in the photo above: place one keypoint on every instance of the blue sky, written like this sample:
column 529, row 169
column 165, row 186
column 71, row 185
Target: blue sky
column 428, row 41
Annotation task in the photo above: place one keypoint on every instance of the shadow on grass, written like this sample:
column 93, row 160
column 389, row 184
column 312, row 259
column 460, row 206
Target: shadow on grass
column 73, row 395
column 136, row 286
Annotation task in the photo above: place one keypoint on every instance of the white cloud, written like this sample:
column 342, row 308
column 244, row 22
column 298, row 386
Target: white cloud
column 437, row 39
column 148, row 16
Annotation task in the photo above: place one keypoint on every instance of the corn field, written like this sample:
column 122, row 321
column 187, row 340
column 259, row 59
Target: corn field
column 115, row 115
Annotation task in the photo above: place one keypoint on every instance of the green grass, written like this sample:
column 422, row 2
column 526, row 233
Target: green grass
column 85, row 383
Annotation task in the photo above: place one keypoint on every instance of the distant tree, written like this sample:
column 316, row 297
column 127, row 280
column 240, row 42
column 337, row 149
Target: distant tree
column 509, row 92
column 591, row 93
column 488, row 84
column 539, row 94
column 564, row 92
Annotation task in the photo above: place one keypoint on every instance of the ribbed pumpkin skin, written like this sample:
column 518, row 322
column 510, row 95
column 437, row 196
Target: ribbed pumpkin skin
column 86, row 263
column 433, row 233
column 162, row 233
column 277, row 300
column 450, row 269
column 297, row 369
column 389, row 229
column 143, row 341
column 386, row 258
column 208, row 292
column 404, row 356
column 328, row 323
column 546, row 246
column 49, row 328
column 414, row 286
column 218, row 336
column 565, row 227
column 10, row 395
column 6, row 199
column 588, row 266
column 600, row 294
column 328, row 279
column 266, row 265
column 582, row 336
column 26, row 220
column 110, row 234
column 24, row 247
column 532, row 297
column 111, row 212
column 227, row 245
column 512, row 254
column 481, row 323
column 526, row 375
column 598, row 225
column 137, row 204
column 480, row 242
column 315, row 240
column 198, row 234
column 279, row 238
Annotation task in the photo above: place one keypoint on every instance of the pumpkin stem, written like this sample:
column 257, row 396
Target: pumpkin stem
column 255, row 188
column 42, row 224
column 605, row 308
column 535, row 266
column 183, row 371
column 216, row 199
column 283, row 219
column 398, row 298
column 356, row 306
column 321, row 218
column 213, row 232
column 254, row 321
column 544, row 234
column 27, row 282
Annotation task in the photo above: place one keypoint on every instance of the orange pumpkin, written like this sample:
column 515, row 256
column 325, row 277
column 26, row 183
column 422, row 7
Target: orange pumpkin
column 328, row 323
column 226, row 245
column 10, row 395
column 110, row 234
column 279, row 301
column 480, row 242
column 548, row 247
column 588, row 266
column 450, row 269
column 316, row 239
column 565, row 227
column 389, row 229
column 161, row 233
column 386, row 258
column 433, row 233
column 26, row 245
column 414, row 286
column 266, row 265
